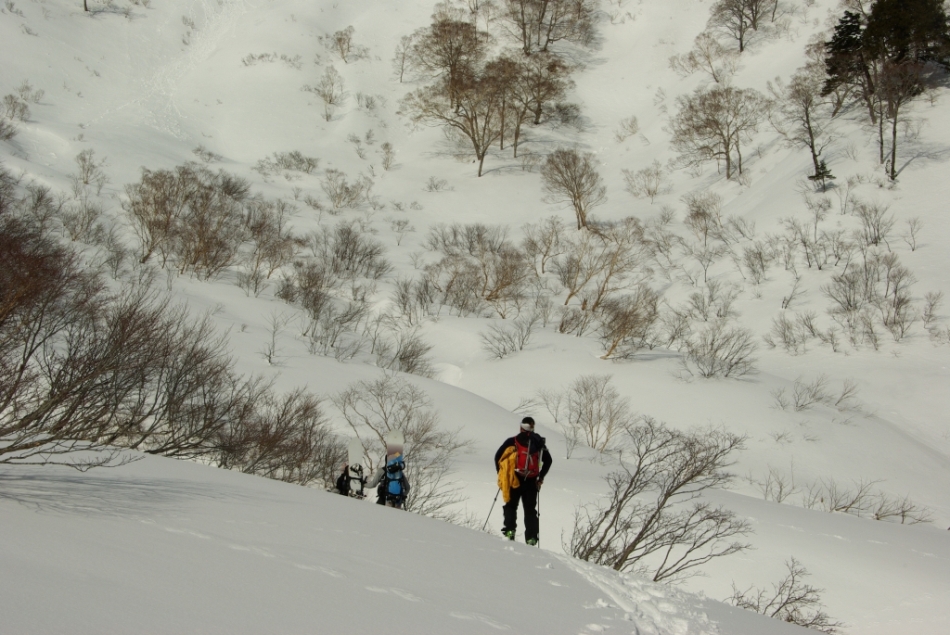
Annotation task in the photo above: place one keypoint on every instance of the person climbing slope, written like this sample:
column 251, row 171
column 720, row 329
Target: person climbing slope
column 522, row 462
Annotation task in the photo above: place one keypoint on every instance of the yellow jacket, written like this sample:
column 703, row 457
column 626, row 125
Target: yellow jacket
column 507, row 480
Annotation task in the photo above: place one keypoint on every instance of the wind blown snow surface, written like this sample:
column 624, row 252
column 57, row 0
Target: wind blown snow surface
column 159, row 546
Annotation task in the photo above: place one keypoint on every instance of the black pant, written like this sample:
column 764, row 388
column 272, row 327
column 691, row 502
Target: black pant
column 527, row 493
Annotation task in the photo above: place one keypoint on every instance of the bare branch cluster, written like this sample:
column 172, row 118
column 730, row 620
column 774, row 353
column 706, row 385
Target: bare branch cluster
column 652, row 522
column 85, row 372
column 791, row 600
column 478, row 99
column 479, row 267
column 191, row 215
column 537, row 24
column 712, row 125
column 571, row 177
column 373, row 408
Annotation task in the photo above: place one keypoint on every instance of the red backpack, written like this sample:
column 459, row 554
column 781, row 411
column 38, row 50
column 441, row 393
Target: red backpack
column 527, row 463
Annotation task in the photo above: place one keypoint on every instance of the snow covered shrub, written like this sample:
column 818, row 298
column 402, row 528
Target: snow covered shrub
column 80, row 218
column 646, row 183
column 861, row 499
column 625, row 322
column 569, row 177
column 876, row 225
column 373, row 408
column 349, row 253
column 15, row 108
column 388, row 155
column 649, row 522
column 435, row 184
column 117, row 370
column 205, row 154
column 791, row 600
column 7, row 130
column 90, row 172
column 344, row 194
column 479, row 266
column 596, row 412
column 873, row 292
column 709, row 56
column 190, row 214
column 720, row 350
column 512, row 335
column 286, row 438
column 403, row 350
column 272, row 244
column 294, row 161
column 628, row 127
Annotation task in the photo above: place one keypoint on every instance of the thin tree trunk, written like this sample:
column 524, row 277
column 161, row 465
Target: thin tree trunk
column 893, row 174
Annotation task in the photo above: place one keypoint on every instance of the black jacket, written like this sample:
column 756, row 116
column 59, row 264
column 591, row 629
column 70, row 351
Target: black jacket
column 533, row 441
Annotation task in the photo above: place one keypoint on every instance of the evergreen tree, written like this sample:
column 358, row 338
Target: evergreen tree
column 822, row 175
column 908, row 30
column 846, row 61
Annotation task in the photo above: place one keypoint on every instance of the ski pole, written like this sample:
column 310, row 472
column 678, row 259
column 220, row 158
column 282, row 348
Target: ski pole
column 539, row 518
column 492, row 508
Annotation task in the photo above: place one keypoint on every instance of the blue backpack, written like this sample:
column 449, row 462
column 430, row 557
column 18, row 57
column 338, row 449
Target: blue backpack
column 394, row 469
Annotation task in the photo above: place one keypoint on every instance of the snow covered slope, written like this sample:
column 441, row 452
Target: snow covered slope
column 203, row 551
column 170, row 547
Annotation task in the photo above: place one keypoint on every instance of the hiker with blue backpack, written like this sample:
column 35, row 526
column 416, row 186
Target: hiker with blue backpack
column 522, row 462
column 392, row 486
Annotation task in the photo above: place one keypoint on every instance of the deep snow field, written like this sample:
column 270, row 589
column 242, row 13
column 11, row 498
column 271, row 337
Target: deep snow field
column 160, row 546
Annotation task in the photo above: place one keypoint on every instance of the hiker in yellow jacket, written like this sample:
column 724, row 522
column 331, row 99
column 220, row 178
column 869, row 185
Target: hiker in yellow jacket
column 522, row 462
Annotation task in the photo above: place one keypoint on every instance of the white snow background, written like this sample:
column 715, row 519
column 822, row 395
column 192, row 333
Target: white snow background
column 161, row 546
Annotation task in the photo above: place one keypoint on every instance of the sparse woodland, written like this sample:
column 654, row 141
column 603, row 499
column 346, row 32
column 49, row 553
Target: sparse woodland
column 97, row 357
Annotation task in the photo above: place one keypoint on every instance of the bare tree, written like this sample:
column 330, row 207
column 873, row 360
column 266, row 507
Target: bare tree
column 286, row 438
column 190, row 213
column 83, row 369
column 329, row 90
column 596, row 412
column 472, row 108
column 543, row 79
column 738, row 18
column 450, row 49
column 899, row 85
column 537, row 24
column 624, row 251
column 799, row 113
column 707, row 56
column 791, row 600
column 649, row 182
column 402, row 60
column 651, row 522
column 730, row 17
column 570, row 177
column 712, row 124
column 341, row 43
column 584, row 257
column 373, row 408
column 543, row 241
column 625, row 322
column 720, row 350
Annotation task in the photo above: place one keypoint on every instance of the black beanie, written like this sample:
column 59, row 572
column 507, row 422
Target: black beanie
column 528, row 420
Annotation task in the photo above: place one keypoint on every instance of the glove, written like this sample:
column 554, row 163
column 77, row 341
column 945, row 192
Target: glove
column 540, row 483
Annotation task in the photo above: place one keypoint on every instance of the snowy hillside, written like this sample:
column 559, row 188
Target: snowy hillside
column 174, row 548
column 234, row 85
